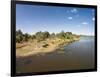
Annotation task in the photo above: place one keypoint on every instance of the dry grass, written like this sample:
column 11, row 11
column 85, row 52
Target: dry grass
column 34, row 47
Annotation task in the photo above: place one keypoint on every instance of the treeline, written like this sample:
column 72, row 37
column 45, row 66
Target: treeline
column 40, row 36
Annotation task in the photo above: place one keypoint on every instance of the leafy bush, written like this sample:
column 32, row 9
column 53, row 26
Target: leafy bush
column 40, row 36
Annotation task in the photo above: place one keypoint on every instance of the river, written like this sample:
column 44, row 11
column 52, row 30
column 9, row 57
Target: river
column 75, row 56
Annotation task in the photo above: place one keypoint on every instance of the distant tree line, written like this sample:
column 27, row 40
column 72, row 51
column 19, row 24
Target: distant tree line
column 40, row 36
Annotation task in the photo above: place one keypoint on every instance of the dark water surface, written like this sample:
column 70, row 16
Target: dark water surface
column 75, row 56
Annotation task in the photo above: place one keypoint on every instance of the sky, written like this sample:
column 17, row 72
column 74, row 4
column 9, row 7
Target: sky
column 32, row 18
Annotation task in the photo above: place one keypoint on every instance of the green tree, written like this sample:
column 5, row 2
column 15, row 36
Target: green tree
column 19, row 36
column 27, row 36
column 33, row 37
column 39, row 36
column 61, row 35
column 52, row 35
column 46, row 34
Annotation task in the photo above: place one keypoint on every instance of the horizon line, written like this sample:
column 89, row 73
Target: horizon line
column 55, row 32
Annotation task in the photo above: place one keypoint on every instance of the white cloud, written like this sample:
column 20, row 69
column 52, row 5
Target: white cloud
column 93, row 19
column 84, row 23
column 74, row 10
column 70, row 18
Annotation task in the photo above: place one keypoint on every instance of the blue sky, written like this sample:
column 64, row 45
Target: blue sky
column 32, row 18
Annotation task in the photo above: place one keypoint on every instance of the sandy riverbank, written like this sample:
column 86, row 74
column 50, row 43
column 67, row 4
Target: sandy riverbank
column 43, row 47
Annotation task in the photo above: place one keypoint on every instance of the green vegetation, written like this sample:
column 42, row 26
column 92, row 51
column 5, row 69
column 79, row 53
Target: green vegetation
column 41, row 36
column 20, row 37
column 42, row 42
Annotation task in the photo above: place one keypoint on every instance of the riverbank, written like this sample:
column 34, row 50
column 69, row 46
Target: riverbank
column 35, row 48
